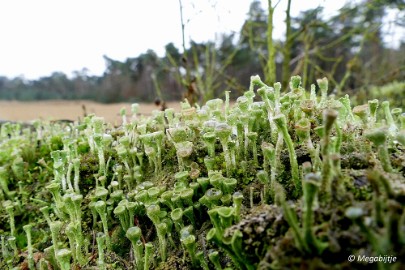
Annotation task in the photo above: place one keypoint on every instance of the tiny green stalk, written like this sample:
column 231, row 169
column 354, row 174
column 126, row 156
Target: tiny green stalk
column 311, row 187
column 10, row 211
column 101, row 246
column 27, row 228
column 102, row 211
column 379, row 138
column 281, row 123
column 134, row 235
column 63, row 256
column 329, row 119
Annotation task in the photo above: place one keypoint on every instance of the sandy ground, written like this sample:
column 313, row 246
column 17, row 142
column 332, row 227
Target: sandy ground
column 72, row 110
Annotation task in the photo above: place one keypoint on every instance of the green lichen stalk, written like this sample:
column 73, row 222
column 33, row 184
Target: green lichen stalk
column 27, row 229
column 281, row 123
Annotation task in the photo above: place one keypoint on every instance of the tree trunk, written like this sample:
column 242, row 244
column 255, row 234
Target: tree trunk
column 287, row 48
column 270, row 71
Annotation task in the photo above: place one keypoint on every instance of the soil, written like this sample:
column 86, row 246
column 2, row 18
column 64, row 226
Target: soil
column 70, row 110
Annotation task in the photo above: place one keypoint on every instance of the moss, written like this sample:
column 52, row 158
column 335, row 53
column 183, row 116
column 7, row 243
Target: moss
column 356, row 161
column 120, row 245
column 175, row 261
column 88, row 167
column 261, row 235
column 260, row 227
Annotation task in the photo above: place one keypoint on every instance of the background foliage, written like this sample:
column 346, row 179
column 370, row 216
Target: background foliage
column 348, row 49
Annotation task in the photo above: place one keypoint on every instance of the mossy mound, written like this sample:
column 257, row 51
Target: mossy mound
column 280, row 180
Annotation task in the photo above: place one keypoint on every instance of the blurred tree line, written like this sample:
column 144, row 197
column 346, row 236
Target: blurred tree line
column 348, row 49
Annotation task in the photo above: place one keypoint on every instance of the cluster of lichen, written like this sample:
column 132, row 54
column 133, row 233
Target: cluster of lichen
column 392, row 91
column 277, row 180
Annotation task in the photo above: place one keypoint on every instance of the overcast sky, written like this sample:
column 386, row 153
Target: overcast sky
column 43, row 36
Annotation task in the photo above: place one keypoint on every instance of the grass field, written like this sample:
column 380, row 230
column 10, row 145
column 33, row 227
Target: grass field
column 71, row 110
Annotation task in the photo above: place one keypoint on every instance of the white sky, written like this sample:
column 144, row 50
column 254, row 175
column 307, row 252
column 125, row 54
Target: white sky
column 43, row 36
